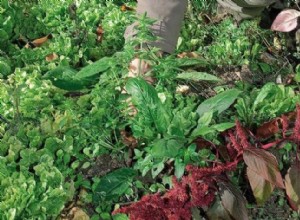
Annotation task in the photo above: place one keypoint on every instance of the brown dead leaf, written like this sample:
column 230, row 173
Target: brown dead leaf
column 201, row 143
column 38, row 42
column 75, row 213
column 51, row 57
column 128, row 139
column 264, row 164
column 268, row 129
column 79, row 214
column 100, row 33
column 126, row 8
column 188, row 55
column 139, row 67
column 292, row 184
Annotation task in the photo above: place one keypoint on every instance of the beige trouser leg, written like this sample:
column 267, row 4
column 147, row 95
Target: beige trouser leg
column 245, row 8
column 168, row 14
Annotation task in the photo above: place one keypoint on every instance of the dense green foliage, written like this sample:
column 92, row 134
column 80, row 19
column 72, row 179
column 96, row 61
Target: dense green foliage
column 58, row 117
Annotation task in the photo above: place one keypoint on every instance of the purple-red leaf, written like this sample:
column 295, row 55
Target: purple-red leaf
column 268, row 129
column 292, row 184
column 261, row 188
column 233, row 200
column 264, row 164
column 286, row 21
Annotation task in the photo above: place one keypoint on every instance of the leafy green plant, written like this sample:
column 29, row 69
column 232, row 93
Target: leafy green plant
column 169, row 130
column 266, row 103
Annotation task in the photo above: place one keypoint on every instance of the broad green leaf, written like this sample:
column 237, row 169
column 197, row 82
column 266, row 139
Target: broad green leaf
column 120, row 217
column 266, row 91
column 94, row 68
column 261, row 188
column 218, row 103
column 157, row 168
column 5, row 68
column 202, row 131
column 114, row 184
column 205, row 119
column 148, row 104
column 198, row 76
column 166, row 148
column 292, row 184
column 179, row 168
column 223, row 126
column 263, row 164
column 64, row 78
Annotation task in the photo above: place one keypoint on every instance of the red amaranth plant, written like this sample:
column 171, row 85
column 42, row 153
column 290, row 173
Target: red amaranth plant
column 197, row 189
column 200, row 186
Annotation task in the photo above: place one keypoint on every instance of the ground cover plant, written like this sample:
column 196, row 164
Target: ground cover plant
column 218, row 129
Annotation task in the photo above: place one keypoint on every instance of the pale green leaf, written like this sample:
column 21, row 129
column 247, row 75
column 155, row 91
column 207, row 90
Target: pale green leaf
column 198, row 76
column 218, row 103
column 94, row 68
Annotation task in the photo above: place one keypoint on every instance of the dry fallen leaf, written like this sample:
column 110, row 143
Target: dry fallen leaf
column 51, row 57
column 286, row 20
column 79, row 214
column 100, row 33
column 126, row 8
column 128, row 139
column 38, row 42
column 188, row 55
column 139, row 67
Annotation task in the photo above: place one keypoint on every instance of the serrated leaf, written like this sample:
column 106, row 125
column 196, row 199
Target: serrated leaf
column 286, row 21
column 218, row 103
column 94, row 68
column 198, row 76
column 114, row 184
column 264, row 164
column 292, row 184
column 147, row 102
column 233, row 201
column 261, row 188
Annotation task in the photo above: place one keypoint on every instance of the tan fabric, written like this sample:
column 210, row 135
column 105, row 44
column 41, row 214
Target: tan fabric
column 245, row 8
column 169, row 15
